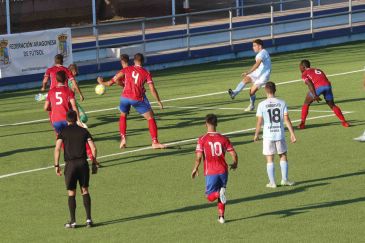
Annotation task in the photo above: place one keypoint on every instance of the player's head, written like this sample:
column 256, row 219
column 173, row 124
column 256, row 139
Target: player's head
column 124, row 60
column 211, row 121
column 71, row 117
column 58, row 59
column 138, row 59
column 74, row 69
column 304, row 64
column 257, row 45
column 61, row 77
column 270, row 88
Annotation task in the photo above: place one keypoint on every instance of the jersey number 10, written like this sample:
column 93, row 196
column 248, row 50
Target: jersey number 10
column 216, row 148
column 274, row 115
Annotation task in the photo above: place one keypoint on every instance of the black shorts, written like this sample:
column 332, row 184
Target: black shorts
column 77, row 171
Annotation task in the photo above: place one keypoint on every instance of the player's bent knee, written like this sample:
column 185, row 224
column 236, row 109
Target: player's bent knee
column 84, row 190
column 71, row 193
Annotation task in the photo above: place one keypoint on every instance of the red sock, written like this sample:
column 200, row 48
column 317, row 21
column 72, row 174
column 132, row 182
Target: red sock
column 89, row 152
column 213, row 196
column 153, row 129
column 305, row 109
column 122, row 126
column 221, row 208
column 338, row 113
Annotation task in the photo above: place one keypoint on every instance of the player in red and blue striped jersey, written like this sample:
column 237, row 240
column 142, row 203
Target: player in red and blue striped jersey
column 213, row 147
column 318, row 85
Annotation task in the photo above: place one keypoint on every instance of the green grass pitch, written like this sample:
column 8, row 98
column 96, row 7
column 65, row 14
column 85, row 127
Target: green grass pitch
column 148, row 196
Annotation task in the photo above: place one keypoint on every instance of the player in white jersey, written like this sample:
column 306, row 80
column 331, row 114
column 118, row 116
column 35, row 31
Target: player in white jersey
column 258, row 75
column 273, row 112
column 362, row 137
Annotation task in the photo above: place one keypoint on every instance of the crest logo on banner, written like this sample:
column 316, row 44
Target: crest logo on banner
column 62, row 45
column 4, row 53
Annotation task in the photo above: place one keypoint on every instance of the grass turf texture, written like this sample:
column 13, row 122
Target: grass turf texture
column 149, row 196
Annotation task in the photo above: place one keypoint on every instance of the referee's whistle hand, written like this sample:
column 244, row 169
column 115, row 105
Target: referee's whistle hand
column 58, row 171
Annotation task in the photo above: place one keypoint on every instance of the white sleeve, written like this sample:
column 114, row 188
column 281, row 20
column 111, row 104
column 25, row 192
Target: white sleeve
column 285, row 109
column 259, row 110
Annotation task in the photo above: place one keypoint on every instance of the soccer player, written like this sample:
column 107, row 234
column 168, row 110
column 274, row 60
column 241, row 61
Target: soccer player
column 133, row 95
column 362, row 137
column 318, row 85
column 273, row 112
column 74, row 138
column 51, row 74
column 58, row 101
column 75, row 71
column 258, row 75
column 213, row 147
column 117, row 79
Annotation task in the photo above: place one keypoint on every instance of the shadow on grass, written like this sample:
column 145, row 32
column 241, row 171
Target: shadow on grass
column 205, row 206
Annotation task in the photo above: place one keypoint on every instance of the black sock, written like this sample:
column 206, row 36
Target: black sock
column 87, row 205
column 72, row 207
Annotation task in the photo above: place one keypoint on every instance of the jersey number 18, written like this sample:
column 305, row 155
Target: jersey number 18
column 274, row 115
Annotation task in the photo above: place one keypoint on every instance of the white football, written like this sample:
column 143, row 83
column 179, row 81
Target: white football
column 100, row 89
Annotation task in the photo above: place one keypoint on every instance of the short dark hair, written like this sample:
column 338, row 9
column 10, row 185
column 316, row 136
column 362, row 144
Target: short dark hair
column 211, row 119
column 124, row 58
column 58, row 59
column 305, row 63
column 73, row 67
column 271, row 87
column 61, row 77
column 139, row 57
column 71, row 116
column 259, row 42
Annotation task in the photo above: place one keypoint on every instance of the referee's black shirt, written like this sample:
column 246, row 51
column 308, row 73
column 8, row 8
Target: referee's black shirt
column 74, row 139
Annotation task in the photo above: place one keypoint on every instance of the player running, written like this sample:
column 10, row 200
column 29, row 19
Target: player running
column 258, row 75
column 133, row 95
column 318, row 84
column 273, row 112
column 75, row 71
column 213, row 147
column 51, row 74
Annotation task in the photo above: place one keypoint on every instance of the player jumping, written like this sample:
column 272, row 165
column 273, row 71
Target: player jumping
column 318, row 84
column 213, row 147
column 258, row 75
column 133, row 95
column 273, row 113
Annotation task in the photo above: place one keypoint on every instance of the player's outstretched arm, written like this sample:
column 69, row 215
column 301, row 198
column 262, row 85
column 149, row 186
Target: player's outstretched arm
column 234, row 156
column 290, row 128
column 258, row 128
column 57, row 157
column 44, row 83
column 155, row 94
column 76, row 87
column 198, row 160
column 253, row 68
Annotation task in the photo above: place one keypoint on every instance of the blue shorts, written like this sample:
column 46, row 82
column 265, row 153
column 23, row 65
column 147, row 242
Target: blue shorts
column 214, row 183
column 326, row 91
column 59, row 126
column 140, row 106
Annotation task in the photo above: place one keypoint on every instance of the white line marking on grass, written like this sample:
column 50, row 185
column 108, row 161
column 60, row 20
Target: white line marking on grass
column 175, row 99
column 149, row 147
column 232, row 108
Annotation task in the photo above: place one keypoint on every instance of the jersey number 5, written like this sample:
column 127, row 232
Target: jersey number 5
column 274, row 115
column 59, row 98
column 216, row 148
column 135, row 76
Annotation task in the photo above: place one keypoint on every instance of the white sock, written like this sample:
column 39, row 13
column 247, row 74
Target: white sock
column 271, row 172
column 284, row 170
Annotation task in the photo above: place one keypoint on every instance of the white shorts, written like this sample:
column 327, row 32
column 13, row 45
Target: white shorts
column 259, row 79
column 274, row 147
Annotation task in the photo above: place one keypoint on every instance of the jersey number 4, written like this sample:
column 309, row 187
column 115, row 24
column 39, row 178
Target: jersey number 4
column 135, row 76
column 216, row 148
column 59, row 98
column 274, row 115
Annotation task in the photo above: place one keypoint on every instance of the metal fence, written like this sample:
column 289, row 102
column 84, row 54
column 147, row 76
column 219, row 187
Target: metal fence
column 187, row 26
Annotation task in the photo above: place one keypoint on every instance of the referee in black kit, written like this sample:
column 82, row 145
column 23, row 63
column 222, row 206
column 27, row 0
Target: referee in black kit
column 77, row 169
